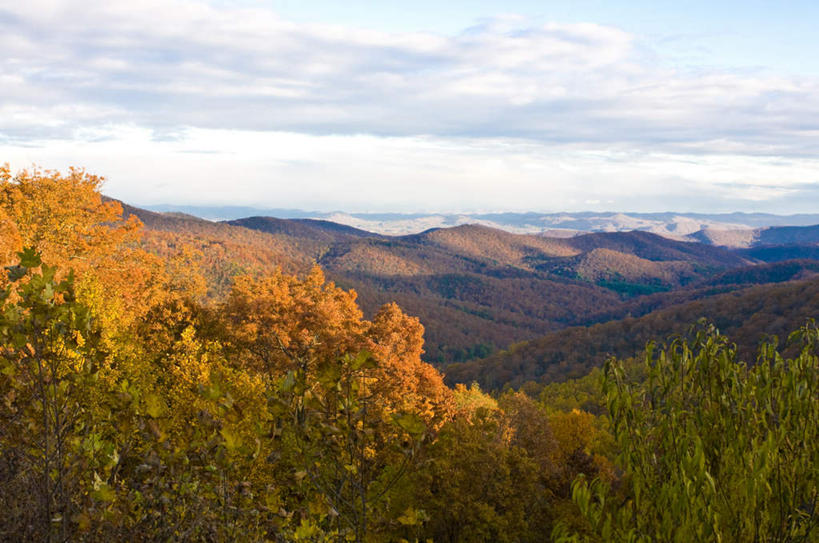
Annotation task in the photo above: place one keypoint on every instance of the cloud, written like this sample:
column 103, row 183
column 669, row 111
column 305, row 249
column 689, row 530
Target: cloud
column 181, row 101
column 422, row 174
column 173, row 64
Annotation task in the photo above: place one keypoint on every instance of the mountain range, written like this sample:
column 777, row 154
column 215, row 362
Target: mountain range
column 733, row 229
column 504, row 308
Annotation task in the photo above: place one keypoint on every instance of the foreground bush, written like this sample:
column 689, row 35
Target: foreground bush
column 712, row 449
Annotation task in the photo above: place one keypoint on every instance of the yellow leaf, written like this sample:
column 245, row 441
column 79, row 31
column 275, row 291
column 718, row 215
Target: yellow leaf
column 232, row 439
column 154, row 405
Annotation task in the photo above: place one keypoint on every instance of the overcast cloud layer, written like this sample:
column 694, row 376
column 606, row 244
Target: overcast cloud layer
column 541, row 117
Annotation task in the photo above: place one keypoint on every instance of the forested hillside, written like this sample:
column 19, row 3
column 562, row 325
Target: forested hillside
column 748, row 316
column 478, row 289
column 179, row 383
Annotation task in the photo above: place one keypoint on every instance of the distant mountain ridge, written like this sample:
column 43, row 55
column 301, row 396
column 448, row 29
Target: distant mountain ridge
column 316, row 229
column 760, row 237
column 669, row 224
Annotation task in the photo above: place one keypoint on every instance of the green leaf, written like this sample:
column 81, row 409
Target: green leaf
column 306, row 530
column 104, row 493
column 8, row 368
column 363, row 360
column 102, row 490
column 412, row 517
column 329, row 374
column 29, row 258
column 289, row 382
column 410, row 423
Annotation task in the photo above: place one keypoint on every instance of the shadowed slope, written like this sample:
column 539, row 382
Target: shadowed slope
column 747, row 315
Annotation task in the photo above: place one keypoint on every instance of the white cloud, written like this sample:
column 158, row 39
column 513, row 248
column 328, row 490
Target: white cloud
column 371, row 173
column 542, row 117
column 187, row 64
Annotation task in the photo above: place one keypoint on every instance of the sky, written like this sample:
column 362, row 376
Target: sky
column 422, row 106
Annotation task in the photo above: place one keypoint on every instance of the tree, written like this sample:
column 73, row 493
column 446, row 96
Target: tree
column 279, row 322
column 64, row 217
column 49, row 360
column 351, row 400
column 345, row 446
column 474, row 485
column 712, row 449
column 72, row 227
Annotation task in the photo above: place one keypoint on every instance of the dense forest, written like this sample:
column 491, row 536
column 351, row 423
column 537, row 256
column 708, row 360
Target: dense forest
column 206, row 382
column 748, row 316
column 479, row 289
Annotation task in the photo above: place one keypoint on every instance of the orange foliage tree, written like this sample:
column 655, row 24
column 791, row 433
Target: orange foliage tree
column 69, row 223
column 280, row 323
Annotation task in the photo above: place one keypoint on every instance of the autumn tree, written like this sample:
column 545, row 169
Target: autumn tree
column 396, row 340
column 279, row 322
column 49, row 360
column 73, row 227
column 474, row 484
column 352, row 400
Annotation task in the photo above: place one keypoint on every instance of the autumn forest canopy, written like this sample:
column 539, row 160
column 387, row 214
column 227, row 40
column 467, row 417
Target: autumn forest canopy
column 164, row 378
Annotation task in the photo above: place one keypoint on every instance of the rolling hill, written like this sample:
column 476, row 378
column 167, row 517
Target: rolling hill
column 478, row 289
column 768, row 236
